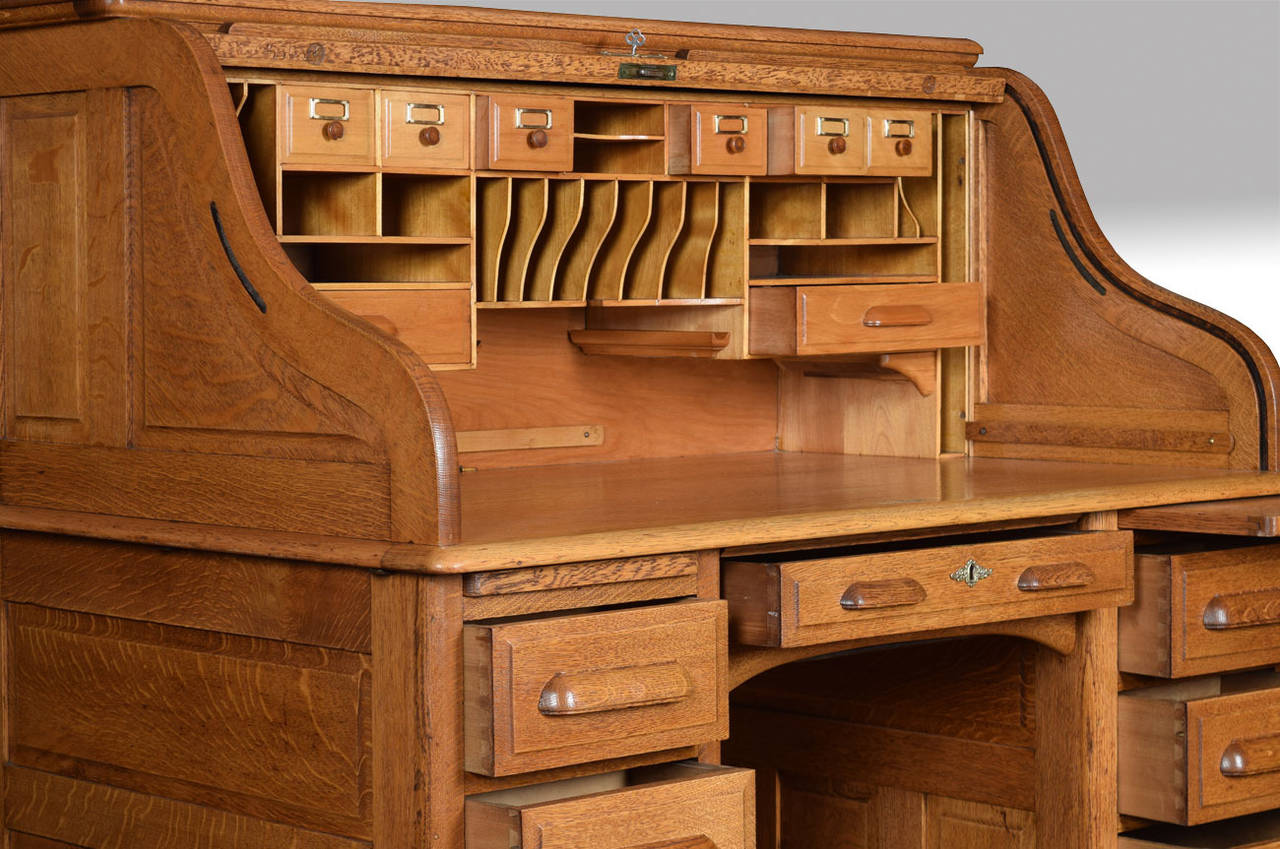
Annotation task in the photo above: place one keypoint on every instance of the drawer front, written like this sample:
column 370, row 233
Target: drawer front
column 830, row 140
column 326, row 125
column 557, row 691
column 900, row 143
column 435, row 323
column 683, row 805
column 423, row 129
column 530, row 133
column 1256, row 831
column 842, row 598
column 728, row 138
column 1233, row 755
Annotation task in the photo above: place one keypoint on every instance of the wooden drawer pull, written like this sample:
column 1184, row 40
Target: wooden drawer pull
column 1257, row 756
column 1055, row 576
column 895, row 592
column 383, row 323
column 897, row 316
column 600, row 690
column 1243, row 610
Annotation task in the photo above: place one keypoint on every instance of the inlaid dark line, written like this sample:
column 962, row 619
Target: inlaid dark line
column 231, row 258
column 1075, row 260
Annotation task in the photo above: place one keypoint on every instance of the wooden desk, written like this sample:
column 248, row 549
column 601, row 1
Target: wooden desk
column 424, row 427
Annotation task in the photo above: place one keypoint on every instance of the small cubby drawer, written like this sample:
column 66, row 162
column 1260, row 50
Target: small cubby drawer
column 423, row 129
column 855, row 319
column 1197, row 612
column 900, row 143
column 724, row 138
column 326, row 125
column 802, row 599
column 817, row 140
column 525, row 132
column 1201, row 750
column 569, row 689
column 681, row 806
column 434, row 323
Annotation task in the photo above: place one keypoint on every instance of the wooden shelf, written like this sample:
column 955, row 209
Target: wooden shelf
column 617, row 138
column 819, row 243
column 399, row 287
column 375, row 240
column 650, row 343
column 666, row 302
column 526, row 305
column 856, row 279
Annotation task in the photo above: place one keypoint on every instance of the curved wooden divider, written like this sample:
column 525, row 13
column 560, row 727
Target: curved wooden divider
column 635, row 207
column 529, row 214
column 644, row 273
column 599, row 210
column 493, row 220
column 686, row 272
column 564, row 214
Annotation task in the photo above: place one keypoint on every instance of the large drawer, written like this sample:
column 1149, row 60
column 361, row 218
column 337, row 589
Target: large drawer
column 1195, row 752
column 435, row 323
column 1197, row 612
column 555, row 691
column 1257, row 831
column 895, row 589
column 681, row 806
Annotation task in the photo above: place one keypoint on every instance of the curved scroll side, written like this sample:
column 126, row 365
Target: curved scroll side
column 298, row 418
column 1149, row 375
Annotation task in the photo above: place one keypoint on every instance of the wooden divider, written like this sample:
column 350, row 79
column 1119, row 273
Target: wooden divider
column 635, row 206
column 726, row 265
column 686, row 272
column 528, row 213
column 599, row 209
column 564, row 212
column 666, row 221
column 493, row 219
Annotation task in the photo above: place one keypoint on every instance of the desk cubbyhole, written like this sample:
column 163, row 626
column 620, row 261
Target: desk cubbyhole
column 726, row 271
column 786, row 211
column 619, row 137
column 862, row 210
column 869, row 261
column 426, row 206
column 619, row 119
column 381, row 263
column 329, row 204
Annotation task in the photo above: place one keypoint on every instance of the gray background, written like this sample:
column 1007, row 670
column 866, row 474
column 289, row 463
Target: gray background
column 1171, row 109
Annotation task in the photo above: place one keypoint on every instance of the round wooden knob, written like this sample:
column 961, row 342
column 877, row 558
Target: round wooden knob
column 837, row 145
column 333, row 130
column 736, row 144
column 537, row 138
column 429, row 136
column 902, row 147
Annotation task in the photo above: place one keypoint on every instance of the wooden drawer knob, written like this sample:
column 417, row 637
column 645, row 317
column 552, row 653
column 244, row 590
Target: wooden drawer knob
column 1257, row 756
column 1055, row 576
column 902, row 147
column 600, row 690
column 537, row 139
column 892, row 592
column 736, row 144
column 429, row 136
column 333, row 130
column 896, row 316
column 1243, row 610
column 837, row 146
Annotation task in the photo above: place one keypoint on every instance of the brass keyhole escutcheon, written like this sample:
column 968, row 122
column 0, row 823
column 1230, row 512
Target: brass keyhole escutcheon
column 429, row 136
column 736, row 144
column 333, row 130
column 537, row 138
column 902, row 147
column 837, row 145
column 970, row 573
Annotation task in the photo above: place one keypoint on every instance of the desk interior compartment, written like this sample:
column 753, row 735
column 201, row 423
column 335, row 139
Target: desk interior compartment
column 685, row 805
column 1201, row 750
column 435, row 323
column 555, row 691
column 817, row 139
column 1257, row 831
column 803, row 598
column 619, row 137
column 326, row 125
column 524, row 132
column 900, row 143
column 424, row 129
column 719, row 138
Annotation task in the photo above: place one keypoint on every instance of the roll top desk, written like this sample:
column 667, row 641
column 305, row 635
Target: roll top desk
column 435, row 427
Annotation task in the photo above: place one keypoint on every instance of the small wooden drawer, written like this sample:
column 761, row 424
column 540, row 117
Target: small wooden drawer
column 555, row 691
column 1197, row 612
column 326, row 125
column 900, row 143
column 423, row 129
column 681, row 806
column 817, row 140
column 813, row 320
column 525, row 132
column 774, row 601
column 724, row 138
column 435, row 323
column 1199, row 751
column 1256, row 831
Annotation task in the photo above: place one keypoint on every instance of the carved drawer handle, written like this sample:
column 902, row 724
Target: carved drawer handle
column 383, row 323
column 1055, row 576
column 1256, row 756
column 600, row 690
column 902, row 316
column 893, row 592
column 1243, row 610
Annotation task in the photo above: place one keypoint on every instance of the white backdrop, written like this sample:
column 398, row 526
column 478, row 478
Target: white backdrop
column 1172, row 111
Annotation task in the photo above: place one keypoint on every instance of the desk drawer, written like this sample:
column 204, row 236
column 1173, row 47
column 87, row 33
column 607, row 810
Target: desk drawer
column 1203, row 612
column 570, row 689
column 727, row 138
column 828, row 140
column 423, row 129
column 900, row 143
column 1257, row 831
column 1191, row 759
column 435, row 323
column 802, row 602
column 681, row 806
column 326, row 125
column 526, row 132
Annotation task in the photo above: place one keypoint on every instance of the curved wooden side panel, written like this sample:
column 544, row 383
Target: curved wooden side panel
column 1086, row 358
column 162, row 357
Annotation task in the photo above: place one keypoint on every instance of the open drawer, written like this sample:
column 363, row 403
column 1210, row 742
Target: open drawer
column 1259, row 831
column 1201, row 750
column 562, row 690
column 796, row 599
column 675, row 806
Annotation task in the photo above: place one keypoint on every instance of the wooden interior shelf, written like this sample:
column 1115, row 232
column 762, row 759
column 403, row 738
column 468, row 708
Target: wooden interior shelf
column 814, row 280
column 889, row 241
column 650, row 343
column 375, row 240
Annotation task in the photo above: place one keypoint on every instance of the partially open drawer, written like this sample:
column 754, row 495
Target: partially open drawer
column 675, row 806
column 1258, row 831
column 1201, row 750
column 554, row 691
column 894, row 589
